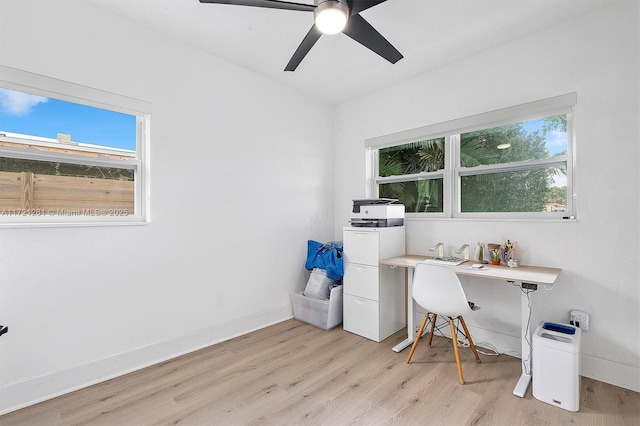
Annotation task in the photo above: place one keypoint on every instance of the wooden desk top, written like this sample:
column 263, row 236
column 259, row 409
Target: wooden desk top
column 525, row 273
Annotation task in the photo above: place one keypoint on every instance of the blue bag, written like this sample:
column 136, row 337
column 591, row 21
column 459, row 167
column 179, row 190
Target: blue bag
column 327, row 257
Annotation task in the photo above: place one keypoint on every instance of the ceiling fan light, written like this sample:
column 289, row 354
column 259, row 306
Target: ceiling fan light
column 331, row 16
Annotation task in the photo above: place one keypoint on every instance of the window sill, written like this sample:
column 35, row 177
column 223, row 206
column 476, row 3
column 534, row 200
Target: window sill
column 52, row 224
column 497, row 219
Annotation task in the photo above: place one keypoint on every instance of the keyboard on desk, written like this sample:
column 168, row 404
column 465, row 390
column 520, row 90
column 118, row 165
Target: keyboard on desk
column 451, row 261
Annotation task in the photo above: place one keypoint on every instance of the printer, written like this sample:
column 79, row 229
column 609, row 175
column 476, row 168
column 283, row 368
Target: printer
column 377, row 213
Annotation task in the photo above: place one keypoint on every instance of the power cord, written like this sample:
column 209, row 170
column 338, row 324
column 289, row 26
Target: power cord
column 526, row 361
column 464, row 343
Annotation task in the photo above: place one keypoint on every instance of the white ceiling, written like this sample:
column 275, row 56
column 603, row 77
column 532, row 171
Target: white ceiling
column 429, row 33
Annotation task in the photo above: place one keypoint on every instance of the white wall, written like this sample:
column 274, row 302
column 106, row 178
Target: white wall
column 596, row 56
column 242, row 176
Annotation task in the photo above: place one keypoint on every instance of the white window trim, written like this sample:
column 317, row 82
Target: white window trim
column 450, row 130
column 19, row 80
column 524, row 112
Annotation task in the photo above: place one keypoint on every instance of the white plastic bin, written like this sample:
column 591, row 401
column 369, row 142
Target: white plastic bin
column 325, row 314
column 556, row 365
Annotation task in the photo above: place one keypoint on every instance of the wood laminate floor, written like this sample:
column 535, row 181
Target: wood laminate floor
column 295, row 374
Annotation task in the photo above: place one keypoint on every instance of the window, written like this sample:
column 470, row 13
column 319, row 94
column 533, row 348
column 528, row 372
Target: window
column 512, row 163
column 70, row 154
column 414, row 173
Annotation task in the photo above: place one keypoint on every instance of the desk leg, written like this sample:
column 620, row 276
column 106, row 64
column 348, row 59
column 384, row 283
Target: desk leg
column 411, row 329
column 525, row 377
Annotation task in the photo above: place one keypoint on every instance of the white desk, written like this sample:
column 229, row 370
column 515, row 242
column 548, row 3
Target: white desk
column 523, row 275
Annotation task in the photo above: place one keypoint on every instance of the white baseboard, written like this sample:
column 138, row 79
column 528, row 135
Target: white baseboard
column 613, row 373
column 603, row 370
column 23, row 394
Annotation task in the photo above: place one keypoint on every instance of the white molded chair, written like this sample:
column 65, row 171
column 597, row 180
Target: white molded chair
column 438, row 290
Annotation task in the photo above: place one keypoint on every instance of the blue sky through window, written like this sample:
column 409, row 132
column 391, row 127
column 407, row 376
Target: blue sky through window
column 46, row 117
column 555, row 141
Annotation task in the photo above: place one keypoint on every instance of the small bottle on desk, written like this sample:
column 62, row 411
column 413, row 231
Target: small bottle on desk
column 479, row 252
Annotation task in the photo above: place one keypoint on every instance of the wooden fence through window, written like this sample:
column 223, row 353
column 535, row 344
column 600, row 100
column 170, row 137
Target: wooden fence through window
column 39, row 194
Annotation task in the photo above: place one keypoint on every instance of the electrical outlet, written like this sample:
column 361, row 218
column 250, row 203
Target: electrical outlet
column 579, row 319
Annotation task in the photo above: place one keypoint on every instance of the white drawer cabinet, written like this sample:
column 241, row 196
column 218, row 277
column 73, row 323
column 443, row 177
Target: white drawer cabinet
column 358, row 278
column 364, row 246
column 373, row 295
column 362, row 317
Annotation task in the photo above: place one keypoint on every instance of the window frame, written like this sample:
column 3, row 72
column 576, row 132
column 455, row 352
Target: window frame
column 452, row 172
column 23, row 81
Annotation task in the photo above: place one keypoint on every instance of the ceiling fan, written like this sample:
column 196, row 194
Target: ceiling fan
column 330, row 17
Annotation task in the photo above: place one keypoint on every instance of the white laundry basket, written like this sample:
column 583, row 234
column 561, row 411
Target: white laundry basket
column 556, row 365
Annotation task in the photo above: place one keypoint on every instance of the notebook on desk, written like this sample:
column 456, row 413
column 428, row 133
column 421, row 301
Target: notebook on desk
column 450, row 261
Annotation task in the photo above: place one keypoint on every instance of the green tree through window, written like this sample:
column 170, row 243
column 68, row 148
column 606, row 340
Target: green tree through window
column 422, row 195
column 523, row 186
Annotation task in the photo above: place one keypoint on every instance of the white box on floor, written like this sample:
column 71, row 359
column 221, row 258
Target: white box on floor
column 325, row 314
column 556, row 365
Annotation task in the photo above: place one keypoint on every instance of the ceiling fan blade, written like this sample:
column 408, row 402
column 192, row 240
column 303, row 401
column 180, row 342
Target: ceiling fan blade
column 361, row 31
column 309, row 40
column 272, row 4
column 357, row 6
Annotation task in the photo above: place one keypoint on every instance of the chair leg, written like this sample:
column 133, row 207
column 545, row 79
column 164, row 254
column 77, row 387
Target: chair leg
column 433, row 325
column 456, row 350
column 417, row 339
column 473, row 346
